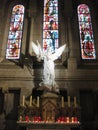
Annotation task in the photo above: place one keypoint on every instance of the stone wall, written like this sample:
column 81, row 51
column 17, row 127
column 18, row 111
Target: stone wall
column 72, row 74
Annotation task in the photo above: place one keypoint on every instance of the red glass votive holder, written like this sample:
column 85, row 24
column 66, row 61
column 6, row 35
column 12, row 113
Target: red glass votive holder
column 67, row 120
column 39, row 119
column 62, row 119
column 75, row 119
column 27, row 119
column 59, row 119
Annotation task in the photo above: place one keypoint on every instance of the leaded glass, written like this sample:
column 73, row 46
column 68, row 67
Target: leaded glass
column 15, row 33
column 50, row 25
column 86, row 33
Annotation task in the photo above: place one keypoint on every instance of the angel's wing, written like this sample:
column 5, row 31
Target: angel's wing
column 37, row 50
column 40, row 49
column 58, row 52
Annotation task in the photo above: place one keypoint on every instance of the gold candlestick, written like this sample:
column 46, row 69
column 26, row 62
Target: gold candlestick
column 30, row 100
column 23, row 102
column 62, row 101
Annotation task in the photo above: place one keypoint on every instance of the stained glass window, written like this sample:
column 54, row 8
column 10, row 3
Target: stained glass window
column 15, row 33
column 86, row 32
column 50, row 25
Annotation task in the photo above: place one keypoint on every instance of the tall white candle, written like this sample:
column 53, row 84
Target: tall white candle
column 62, row 101
column 75, row 102
column 30, row 100
column 23, row 103
column 37, row 101
column 68, row 101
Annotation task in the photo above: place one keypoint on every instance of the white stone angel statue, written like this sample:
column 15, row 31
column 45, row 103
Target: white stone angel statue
column 49, row 69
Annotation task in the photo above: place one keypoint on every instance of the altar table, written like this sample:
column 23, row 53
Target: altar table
column 47, row 126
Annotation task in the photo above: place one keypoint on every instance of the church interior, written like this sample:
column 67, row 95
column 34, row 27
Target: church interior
column 60, row 94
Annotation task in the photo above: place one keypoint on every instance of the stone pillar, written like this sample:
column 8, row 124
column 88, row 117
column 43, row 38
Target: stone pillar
column 72, row 64
column 31, row 33
column 69, row 35
column 32, row 16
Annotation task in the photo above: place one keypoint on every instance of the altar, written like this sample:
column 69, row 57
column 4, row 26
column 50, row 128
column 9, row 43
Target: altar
column 47, row 126
column 48, row 112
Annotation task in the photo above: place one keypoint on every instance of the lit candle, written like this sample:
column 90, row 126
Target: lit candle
column 68, row 101
column 75, row 102
column 62, row 102
column 23, row 103
column 38, row 101
column 30, row 100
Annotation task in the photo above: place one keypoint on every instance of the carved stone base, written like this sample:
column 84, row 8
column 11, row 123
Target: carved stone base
column 49, row 106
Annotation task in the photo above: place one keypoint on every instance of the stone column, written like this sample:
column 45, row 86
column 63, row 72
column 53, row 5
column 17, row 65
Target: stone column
column 32, row 16
column 69, row 35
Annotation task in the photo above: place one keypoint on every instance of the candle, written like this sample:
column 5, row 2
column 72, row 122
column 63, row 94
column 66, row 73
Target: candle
column 68, row 101
column 75, row 104
column 62, row 102
column 38, row 101
column 30, row 100
column 23, row 101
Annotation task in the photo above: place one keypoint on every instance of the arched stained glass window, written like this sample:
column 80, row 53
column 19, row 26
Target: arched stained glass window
column 15, row 33
column 86, row 33
column 50, row 25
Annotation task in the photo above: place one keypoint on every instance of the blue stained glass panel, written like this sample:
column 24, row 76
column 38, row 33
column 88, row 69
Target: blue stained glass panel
column 50, row 25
